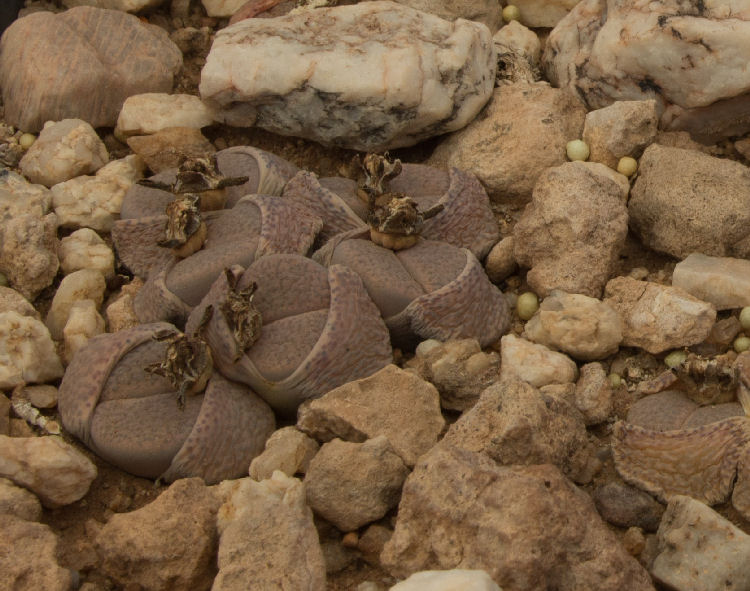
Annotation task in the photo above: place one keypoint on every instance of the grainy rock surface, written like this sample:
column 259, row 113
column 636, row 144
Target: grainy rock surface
column 684, row 202
column 593, row 394
column 625, row 128
column 461, row 510
column 27, row 352
column 371, row 76
column 86, row 62
column 658, row 317
column 536, row 364
column 166, row 148
column 571, row 234
column 85, row 249
column 18, row 502
column 288, row 450
column 126, row 5
column 522, row 131
column 723, row 281
column 28, row 252
column 168, row 544
column 18, row 196
column 626, row 506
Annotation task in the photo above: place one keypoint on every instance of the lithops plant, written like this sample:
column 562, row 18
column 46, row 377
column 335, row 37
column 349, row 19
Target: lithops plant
column 307, row 329
column 466, row 219
column 114, row 400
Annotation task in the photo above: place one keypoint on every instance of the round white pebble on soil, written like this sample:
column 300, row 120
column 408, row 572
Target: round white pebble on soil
column 627, row 166
column 577, row 150
column 527, row 305
column 26, row 140
column 741, row 344
column 511, row 13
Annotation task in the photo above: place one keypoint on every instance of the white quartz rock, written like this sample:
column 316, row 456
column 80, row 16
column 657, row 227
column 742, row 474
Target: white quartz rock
column 535, row 364
column 27, row 353
column 19, row 197
column 85, row 249
column 62, row 151
column 124, row 5
column 84, row 322
column 145, row 114
column 95, row 201
column 448, row 580
column 86, row 284
column 54, row 470
column 371, row 76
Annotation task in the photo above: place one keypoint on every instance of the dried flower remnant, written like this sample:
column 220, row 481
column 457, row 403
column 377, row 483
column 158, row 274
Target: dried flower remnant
column 375, row 175
column 187, row 361
column 184, row 231
column 241, row 315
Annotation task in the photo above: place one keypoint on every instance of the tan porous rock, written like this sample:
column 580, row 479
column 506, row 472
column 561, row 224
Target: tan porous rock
column 28, row 252
column 167, row 147
column 288, row 450
column 27, row 352
column 18, row 196
column 536, row 364
column 19, row 502
column 593, row 394
column 500, row 262
column 84, row 322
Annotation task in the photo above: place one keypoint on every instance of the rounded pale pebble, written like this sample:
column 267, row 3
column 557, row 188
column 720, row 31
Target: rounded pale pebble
column 675, row 358
column 511, row 13
column 615, row 379
column 627, row 166
column 86, row 284
column 425, row 347
column 577, row 150
column 26, row 140
column 527, row 305
column 500, row 262
column 85, row 249
column 480, row 362
column 745, row 318
column 741, row 343
column 41, row 396
column 84, row 322
column 27, row 353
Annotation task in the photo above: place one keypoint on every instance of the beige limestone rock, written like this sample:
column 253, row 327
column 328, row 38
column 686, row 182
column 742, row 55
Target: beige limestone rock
column 167, row 147
column 54, row 470
column 28, row 252
column 28, row 557
column 571, row 234
column 624, row 128
column 684, row 201
column 583, row 327
column 370, row 76
column 19, row 502
column 447, row 580
column 515, row 424
column 64, row 150
column 95, row 201
column 535, row 364
column 86, row 62
column 148, row 113
column 12, row 301
column 288, row 450
column 124, row 5
column 352, row 484
column 84, row 322
column 459, row 509
column 27, row 353
column 487, row 12
column 391, row 402
column 543, row 13
column 515, row 37
column 693, row 538
column 119, row 312
column 723, row 281
column 85, row 249
column 19, row 197
column 593, row 395
column 267, row 537
column 522, row 131
column 42, row 396
column 658, row 317
column 86, row 284
column 167, row 545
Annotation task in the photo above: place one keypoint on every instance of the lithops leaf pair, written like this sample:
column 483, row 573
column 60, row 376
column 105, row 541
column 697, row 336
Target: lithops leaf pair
column 318, row 329
column 465, row 220
column 432, row 290
column 114, row 398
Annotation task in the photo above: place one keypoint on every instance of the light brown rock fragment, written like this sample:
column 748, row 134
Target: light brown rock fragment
column 593, row 394
column 27, row 352
column 459, row 509
column 18, row 196
column 28, row 252
column 624, row 128
column 167, row 147
column 723, row 281
column 151, row 112
column 54, row 470
column 18, row 502
column 658, row 317
column 168, row 544
column 288, row 450
column 535, row 364
column 268, row 537
column 391, row 402
column 86, row 284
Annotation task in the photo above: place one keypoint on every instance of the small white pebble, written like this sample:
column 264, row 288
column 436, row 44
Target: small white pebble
column 527, row 305
column 745, row 318
column 26, row 140
column 741, row 344
column 627, row 166
column 511, row 13
column 675, row 358
column 577, row 150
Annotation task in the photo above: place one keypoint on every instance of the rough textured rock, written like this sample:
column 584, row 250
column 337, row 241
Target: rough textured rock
column 86, row 284
column 43, row 396
column 583, row 327
column 391, row 402
column 352, row 484
column 12, row 301
column 54, row 470
column 487, row 12
column 28, row 252
column 85, row 249
column 448, row 580
column 673, row 206
column 119, row 312
column 125, row 5
column 543, row 13
column 27, row 352
column 692, row 74
column 723, row 281
column 522, row 131
column 571, row 234
column 222, row 8
column 288, row 450
column 86, row 62
column 625, row 128
column 19, row 197
column 18, row 502
column 28, row 557
column 519, row 39
column 515, row 424
column 626, row 506
column 697, row 544
column 500, row 262
column 461, row 510
column 168, row 544
column 166, row 148
column 658, row 317
column 459, row 369
column 64, row 150
column 593, row 395
column 534, row 363
column 151, row 112
column 96, row 201
column 84, row 322
column 371, row 76
column 268, row 537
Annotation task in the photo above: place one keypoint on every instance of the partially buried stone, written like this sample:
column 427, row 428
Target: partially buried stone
column 723, row 281
column 371, row 76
